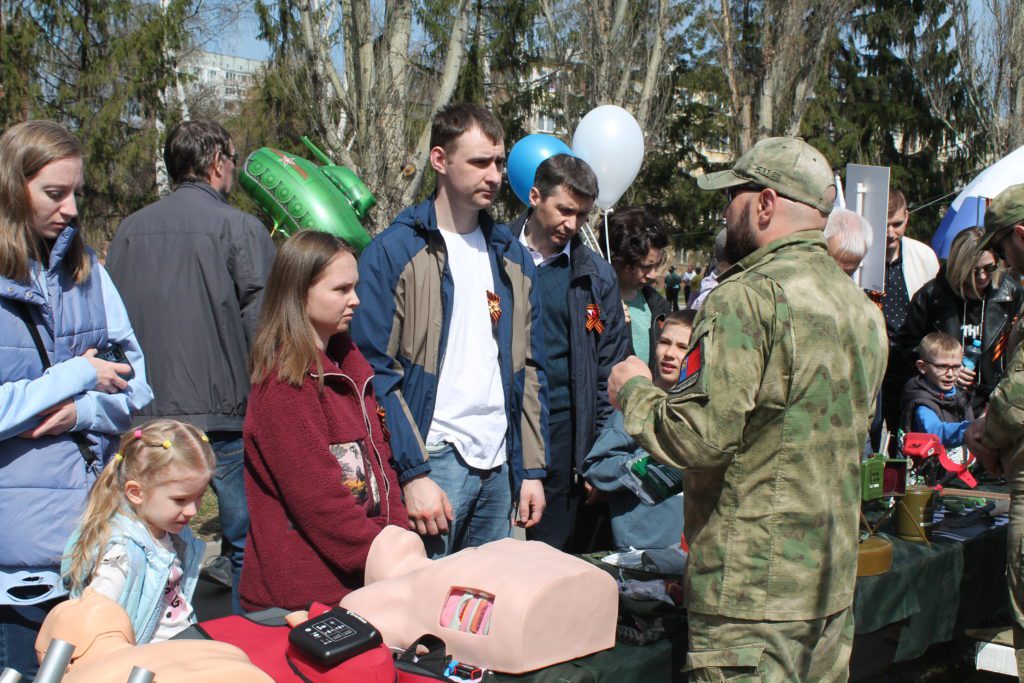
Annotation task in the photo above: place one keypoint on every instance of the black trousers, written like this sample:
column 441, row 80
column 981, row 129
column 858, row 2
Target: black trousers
column 567, row 523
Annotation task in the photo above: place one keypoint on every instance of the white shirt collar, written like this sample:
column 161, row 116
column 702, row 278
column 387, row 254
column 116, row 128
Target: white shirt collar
column 538, row 258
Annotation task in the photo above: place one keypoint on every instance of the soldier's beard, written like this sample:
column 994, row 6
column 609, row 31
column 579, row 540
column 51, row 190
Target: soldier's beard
column 740, row 238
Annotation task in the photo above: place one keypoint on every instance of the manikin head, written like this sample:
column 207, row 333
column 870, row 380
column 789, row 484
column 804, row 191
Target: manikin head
column 105, row 650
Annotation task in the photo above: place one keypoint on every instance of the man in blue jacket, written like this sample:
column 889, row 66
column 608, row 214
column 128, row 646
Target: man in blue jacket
column 450, row 322
column 584, row 335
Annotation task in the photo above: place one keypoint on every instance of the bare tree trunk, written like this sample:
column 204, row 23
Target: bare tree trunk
column 770, row 92
column 653, row 72
column 449, row 78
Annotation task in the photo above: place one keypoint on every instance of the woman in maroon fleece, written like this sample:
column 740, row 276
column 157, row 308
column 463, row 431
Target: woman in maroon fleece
column 317, row 462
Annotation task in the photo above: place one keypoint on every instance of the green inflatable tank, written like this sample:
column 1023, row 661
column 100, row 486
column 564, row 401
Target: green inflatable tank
column 298, row 194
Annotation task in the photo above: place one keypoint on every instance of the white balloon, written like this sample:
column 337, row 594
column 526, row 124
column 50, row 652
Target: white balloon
column 610, row 140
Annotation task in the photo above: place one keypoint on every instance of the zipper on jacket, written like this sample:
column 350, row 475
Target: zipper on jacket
column 369, row 437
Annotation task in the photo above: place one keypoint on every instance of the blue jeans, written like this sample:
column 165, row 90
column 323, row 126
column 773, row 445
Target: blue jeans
column 481, row 501
column 19, row 626
column 229, row 485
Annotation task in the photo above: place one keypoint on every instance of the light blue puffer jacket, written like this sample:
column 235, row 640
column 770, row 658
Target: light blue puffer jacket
column 44, row 481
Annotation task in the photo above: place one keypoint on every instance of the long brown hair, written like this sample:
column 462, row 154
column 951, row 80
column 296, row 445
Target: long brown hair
column 25, row 149
column 144, row 456
column 285, row 339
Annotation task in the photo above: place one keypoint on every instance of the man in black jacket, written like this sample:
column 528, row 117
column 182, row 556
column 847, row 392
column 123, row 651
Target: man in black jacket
column 584, row 332
column 191, row 270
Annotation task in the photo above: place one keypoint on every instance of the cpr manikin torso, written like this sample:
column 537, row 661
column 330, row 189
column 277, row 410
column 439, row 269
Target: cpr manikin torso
column 511, row 606
column 105, row 648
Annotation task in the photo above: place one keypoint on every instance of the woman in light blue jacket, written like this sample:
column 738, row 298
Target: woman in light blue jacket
column 61, row 406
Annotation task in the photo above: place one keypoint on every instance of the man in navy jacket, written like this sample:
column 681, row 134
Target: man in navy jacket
column 584, row 333
column 451, row 324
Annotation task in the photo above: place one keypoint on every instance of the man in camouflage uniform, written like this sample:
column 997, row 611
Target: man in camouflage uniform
column 997, row 438
column 769, row 419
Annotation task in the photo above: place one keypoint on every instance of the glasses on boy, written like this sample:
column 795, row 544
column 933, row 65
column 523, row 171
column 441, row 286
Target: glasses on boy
column 945, row 368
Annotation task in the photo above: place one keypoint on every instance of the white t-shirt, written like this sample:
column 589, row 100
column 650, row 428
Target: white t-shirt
column 470, row 407
column 112, row 572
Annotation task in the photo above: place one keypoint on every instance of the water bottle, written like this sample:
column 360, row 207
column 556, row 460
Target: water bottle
column 972, row 355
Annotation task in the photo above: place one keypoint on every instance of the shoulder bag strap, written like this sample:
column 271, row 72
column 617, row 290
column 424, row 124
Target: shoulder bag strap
column 26, row 317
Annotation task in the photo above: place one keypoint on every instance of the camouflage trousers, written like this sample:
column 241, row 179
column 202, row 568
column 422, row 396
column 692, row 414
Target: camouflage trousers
column 741, row 651
column 1015, row 555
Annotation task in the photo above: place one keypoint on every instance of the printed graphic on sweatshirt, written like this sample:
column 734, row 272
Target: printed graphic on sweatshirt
column 351, row 458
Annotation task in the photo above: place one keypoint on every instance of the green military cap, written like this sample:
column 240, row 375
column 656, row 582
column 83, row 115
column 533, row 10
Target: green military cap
column 789, row 166
column 1005, row 211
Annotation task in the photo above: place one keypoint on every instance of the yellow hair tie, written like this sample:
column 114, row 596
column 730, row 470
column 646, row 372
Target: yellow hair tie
column 205, row 438
column 166, row 444
column 118, row 457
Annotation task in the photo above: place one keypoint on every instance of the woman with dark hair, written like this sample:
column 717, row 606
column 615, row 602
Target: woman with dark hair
column 62, row 407
column 637, row 241
column 318, row 476
column 969, row 299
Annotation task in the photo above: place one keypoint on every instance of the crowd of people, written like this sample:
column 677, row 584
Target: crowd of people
column 463, row 376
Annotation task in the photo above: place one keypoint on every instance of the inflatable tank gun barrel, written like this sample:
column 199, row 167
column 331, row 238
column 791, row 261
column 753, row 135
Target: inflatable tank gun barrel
column 298, row 195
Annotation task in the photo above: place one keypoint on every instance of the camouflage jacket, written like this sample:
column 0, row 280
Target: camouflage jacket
column 1004, row 421
column 769, row 419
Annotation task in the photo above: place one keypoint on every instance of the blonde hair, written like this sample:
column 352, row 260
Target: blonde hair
column 284, row 338
column 963, row 257
column 145, row 454
column 25, row 149
column 937, row 344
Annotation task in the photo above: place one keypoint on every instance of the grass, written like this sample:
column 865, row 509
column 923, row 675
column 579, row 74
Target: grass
column 206, row 523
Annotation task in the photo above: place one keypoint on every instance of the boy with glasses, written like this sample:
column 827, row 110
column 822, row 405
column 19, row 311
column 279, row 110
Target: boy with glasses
column 931, row 403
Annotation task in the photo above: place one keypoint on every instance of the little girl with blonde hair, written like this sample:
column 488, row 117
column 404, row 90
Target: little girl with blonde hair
column 134, row 544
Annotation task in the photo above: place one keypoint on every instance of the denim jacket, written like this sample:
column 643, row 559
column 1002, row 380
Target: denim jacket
column 149, row 567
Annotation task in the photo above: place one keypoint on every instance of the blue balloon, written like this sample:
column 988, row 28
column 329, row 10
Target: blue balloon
column 526, row 156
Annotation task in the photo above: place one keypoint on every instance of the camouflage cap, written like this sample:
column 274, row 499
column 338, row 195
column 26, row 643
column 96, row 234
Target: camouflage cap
column 789, row 166
column 1005, row 211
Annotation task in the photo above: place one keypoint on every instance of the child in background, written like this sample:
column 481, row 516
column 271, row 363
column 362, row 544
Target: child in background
column 134, row 544
column 931, row 403
column 635, row 523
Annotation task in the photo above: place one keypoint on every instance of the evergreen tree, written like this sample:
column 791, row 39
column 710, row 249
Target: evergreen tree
column 873, row 107
column 98, row 67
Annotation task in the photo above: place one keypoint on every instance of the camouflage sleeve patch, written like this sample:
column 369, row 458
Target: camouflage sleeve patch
column 700, row 422
column 691, row 375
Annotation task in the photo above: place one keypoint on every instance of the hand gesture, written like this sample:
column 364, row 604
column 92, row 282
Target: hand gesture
column 108, row 379
column 965, row 378
column 623, row 372
column 988, row 457
column 57, row 419
column 531, row 503
column 428, row 506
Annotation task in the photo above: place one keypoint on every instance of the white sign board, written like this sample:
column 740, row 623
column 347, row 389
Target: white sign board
column 867, row 193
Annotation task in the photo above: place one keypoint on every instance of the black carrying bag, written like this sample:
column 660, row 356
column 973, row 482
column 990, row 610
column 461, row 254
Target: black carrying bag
column 26, row 317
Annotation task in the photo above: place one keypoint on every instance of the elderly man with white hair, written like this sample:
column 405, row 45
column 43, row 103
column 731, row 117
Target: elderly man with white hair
column 848, row 235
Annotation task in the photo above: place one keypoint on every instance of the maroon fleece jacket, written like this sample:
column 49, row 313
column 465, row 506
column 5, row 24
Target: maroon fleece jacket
column 319, row 482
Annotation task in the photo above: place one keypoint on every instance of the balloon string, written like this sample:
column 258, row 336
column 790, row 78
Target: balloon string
column 607, row 242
